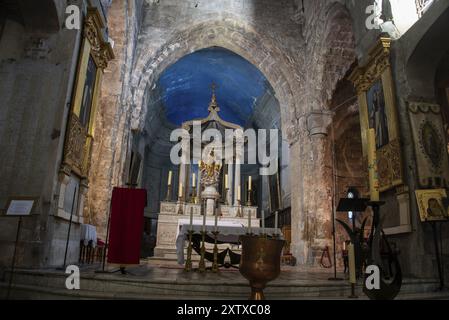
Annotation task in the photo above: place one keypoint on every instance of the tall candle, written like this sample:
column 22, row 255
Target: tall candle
column 344, row 245
column 351, row 254
column 180, row 191
column 226, row 181
column 249, row 183
column 239, row 193
column 372, row 166
column 191, row 218
column 170, row 174
column 194, row 180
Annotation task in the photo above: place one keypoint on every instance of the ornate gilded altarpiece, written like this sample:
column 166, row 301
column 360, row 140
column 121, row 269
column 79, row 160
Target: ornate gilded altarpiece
column 95, row 54
column 377, row 104
column 80, row 128
column 376, row 97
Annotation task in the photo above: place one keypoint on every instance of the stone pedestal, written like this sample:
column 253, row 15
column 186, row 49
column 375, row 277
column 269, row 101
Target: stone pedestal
column 211, row 195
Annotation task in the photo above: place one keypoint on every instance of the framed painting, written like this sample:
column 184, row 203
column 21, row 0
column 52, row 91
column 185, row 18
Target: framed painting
column 377, row 103
column 431, row 206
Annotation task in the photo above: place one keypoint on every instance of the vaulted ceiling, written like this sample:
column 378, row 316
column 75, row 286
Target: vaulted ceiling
column 183, row 93
column 185, row 87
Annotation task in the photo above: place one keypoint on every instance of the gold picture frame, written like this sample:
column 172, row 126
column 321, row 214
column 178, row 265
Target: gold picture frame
column 377, row 102
column 430, row 204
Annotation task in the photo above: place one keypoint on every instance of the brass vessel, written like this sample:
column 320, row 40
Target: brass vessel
column 260, row 262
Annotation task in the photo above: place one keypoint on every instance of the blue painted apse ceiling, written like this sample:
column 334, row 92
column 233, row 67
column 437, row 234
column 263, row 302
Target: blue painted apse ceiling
column 185, row 86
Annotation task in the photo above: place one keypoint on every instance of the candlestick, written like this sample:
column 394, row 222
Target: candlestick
column 191, row 218
column 180, row 191
column 202, row 263
column 276, row 222
column 215, row 268
column 249, row 222
column 352, row 270
column 372, row 166
column 351, row 256
column 168, row 198
column 216, row 219
column 263, row 222
column 204, row 216
column 188, row 264
column 226, row 192
column 239, row 211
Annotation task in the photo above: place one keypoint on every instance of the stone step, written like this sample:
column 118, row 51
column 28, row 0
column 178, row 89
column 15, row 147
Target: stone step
column 40, row 293
column 168, row 285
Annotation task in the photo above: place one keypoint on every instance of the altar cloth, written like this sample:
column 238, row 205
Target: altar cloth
column 229, row 232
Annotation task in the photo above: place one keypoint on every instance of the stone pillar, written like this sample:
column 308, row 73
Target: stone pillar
column 311, row 167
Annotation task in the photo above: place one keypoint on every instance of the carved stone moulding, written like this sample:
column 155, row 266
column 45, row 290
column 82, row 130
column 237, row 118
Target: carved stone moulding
column 101, row 49
column 378, row 62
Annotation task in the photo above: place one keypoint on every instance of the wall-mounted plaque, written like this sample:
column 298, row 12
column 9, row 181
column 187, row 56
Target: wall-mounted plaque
column 20, row 207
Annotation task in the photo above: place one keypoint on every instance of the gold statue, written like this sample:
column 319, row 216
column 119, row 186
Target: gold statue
column 210, row 170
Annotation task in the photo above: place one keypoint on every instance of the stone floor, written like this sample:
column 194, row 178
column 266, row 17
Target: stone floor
column 149, row 282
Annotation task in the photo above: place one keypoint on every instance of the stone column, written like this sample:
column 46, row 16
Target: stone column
column 311, row 171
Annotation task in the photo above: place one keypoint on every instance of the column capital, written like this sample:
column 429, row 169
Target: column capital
column 317, row 122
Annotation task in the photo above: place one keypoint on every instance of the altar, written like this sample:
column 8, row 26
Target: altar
column 169, row 221
column 208, row 184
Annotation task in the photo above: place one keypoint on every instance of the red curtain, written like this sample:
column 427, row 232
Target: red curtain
column 126, row 226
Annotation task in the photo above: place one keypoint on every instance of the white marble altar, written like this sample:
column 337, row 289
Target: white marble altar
column 168, row 221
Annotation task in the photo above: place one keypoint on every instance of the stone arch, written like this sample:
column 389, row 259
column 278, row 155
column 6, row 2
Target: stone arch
column 232, row 35
column 339, row 52
column 332, row 47
column 428, row 49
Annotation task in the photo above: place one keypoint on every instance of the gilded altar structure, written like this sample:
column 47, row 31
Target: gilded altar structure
column 96, row 52
column 212, row 190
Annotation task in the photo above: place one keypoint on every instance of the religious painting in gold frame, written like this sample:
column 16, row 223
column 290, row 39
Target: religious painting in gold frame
column 430, row 204
column 377, row 103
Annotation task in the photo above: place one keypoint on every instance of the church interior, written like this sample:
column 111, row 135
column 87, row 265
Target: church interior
column 228, row 149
